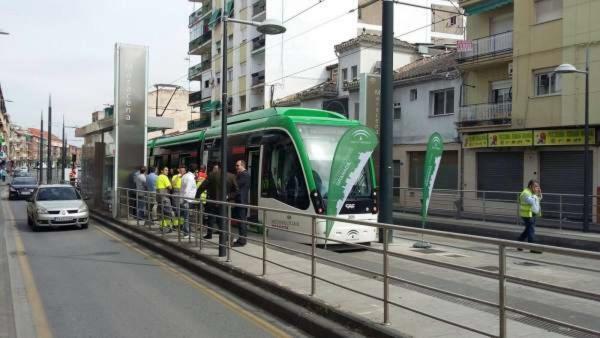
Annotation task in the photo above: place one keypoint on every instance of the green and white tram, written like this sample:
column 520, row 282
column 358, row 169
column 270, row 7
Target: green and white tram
column 289, row 153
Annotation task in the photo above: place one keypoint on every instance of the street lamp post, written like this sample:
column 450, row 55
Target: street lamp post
column 269, row 27
column 566, row 68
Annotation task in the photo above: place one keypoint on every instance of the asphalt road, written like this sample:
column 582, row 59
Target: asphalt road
column 91, row 283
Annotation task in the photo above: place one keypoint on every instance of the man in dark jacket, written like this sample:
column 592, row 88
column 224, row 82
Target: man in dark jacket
column 243, row 181
column 212, row 185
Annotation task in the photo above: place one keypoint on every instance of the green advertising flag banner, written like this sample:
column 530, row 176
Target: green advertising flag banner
column 351, row 155
column 433, row 157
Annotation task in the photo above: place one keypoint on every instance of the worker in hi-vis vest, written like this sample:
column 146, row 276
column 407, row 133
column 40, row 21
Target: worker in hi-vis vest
column 529, row 209
column 163, row 188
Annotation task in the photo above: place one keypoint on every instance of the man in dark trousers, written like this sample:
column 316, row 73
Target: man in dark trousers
column 212, row 185
column 243, row 181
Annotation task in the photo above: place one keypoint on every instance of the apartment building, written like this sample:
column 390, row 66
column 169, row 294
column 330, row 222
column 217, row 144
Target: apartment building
column 262, row 69
column 19, row 152
column 4, row 129
column 34, row 143
column 519, row 120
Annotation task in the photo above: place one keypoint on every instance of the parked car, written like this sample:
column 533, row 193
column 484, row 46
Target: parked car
column 57, row 205
column 22, row 187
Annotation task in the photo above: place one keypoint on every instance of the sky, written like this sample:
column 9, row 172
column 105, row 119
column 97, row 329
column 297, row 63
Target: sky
column 66, row 48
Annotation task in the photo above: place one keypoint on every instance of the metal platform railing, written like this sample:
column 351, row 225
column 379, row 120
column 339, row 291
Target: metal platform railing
column 129, row 200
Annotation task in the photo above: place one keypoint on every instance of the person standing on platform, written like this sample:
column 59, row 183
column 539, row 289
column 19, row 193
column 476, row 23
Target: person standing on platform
column 140, row 194
column 151, row 185
column 212, row 185
column 163, row 188
column 188, row 193
column 243, row 181
column 529, row 209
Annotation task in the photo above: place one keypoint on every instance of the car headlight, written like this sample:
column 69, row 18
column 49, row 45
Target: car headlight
column 42, row 210
column 82, row 209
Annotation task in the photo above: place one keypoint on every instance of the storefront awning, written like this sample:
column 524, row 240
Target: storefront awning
column 485, row 6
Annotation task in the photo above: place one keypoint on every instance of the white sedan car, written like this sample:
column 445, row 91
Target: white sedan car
column 57, row 205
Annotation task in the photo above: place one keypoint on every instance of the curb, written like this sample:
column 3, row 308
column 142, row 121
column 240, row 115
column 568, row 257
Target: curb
column 304, row 312
column 509, row 234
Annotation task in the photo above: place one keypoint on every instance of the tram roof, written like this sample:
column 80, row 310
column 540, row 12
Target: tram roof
column 250, row 119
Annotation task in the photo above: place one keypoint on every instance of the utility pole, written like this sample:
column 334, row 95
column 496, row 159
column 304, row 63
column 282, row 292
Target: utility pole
column 49, row 170
column 41, row 146
column 63, row 152
column 385, row 121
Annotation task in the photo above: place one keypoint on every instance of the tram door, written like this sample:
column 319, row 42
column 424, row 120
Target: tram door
column 254, row 171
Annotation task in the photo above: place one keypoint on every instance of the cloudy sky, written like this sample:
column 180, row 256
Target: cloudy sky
column 65, row 48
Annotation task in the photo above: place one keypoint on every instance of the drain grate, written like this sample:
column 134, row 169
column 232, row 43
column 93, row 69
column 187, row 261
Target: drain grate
column 488, row 267
column 428, row 251
column 527, row 264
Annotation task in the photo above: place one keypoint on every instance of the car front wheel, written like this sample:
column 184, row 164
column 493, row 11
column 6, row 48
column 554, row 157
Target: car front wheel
column 84, row 226
column 29, row 221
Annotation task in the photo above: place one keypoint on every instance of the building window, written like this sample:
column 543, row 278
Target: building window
column 229, row 73
column 344, row 74
column 218, row 77
column 397, row 111
column 230, row 41
column 442, row 102
column 356, row 110
column 546, row 83
column 206, row 83
column 501, row 91
column 453, row 20
column 413, row 94
column 243, row 103
column 548, row 10
column 354, row 73
column 396, row 180
column 218, row 47
column 243, row 68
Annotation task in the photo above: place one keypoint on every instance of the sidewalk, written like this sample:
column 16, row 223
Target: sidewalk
column 479, row 317
column 548, row 236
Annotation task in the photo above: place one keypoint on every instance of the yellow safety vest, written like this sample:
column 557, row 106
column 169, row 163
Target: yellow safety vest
column 524, row 207
column 176, row 181
column 162, row 182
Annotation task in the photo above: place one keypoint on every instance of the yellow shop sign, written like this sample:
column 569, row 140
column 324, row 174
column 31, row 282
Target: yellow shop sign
column 475, row 141
column 511, row 139
column 562, row 137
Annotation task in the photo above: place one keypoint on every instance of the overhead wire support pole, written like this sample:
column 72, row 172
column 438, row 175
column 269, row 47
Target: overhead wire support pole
column 41, row 148
column 224, row 106
column 385, row 121
column 49, row 156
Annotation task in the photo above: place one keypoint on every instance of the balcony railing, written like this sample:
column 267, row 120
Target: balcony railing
column 195, row 97
column 202, row 122
column 487, row 47
column 485, row 113
column 258, row 42
column 198, row 14
column 258, row 78
column 199, row 41
column 196, row 70
column 259, row 7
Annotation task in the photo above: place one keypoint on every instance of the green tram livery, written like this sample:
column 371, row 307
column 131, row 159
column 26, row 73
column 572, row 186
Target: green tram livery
column 289, row 154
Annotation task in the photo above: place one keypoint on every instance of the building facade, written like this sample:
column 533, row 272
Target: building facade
column 4, row 130
column 172, row 103
column 521, row 121
column 19, row 153
column 265, row 68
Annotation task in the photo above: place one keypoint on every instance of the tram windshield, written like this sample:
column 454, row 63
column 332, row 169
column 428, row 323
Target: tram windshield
column 321, row 142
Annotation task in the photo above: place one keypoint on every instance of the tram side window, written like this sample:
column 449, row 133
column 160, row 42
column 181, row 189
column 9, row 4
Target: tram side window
column 283, row 178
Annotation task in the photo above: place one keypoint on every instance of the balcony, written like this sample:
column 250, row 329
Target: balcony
column 487, row 48
column 492, row 114
column 258, row 43
column 199, row 14
column 259, row 8
column 194, row 98
column 200, row 44
column 195, row 71
column 258, row 79
column 202, row 122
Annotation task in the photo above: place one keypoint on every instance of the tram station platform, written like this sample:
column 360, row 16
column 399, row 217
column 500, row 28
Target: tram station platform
column 351, row 289
column 573, row 239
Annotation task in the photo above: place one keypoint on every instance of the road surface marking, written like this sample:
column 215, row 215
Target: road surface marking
column 40, row 320
column 265, row 325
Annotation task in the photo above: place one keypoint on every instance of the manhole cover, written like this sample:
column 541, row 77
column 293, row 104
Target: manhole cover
column 428, row 251
column 527, row 264
column 454, row 255
column 488, row 268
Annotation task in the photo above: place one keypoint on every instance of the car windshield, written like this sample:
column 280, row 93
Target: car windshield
column 321, row 143
column 57, row 194
column 24, row 181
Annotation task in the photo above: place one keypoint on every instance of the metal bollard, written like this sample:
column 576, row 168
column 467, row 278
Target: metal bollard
column 162, row 217
column 502, row 290
column 386, row 282
column 199, row 233
column 313, row 261
column 228, row 236
column 264, row 243
column 127, row 204
column 137, row 208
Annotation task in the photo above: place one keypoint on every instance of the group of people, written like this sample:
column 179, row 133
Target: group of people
column 175, row 193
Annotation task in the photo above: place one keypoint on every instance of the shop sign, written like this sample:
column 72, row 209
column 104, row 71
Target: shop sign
column 562, row 137
column 475, row 141
column 510, row 139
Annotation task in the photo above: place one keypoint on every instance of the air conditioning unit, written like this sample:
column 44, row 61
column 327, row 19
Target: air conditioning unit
column 510, row 70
